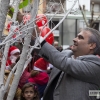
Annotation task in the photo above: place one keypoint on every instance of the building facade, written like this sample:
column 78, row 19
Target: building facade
column 71, row 26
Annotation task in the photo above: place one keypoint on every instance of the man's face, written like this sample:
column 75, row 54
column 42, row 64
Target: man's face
column 81, row 44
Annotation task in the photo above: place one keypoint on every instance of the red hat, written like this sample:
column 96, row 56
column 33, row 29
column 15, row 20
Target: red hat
column 13, row 50
column 41, row 65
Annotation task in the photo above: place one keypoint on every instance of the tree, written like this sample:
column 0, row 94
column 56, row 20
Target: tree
column 91, row 22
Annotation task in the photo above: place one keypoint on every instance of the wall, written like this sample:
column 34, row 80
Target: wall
column 67, row 32
column 42, row 7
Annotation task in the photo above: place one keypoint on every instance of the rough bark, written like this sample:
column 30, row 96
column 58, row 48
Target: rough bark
column 23, row 56
column 4, row 5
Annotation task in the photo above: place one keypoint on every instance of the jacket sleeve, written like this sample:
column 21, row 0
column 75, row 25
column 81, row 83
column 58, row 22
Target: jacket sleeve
column 82, row 69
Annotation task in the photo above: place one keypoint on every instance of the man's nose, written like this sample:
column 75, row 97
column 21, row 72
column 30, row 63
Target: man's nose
column 75, row 39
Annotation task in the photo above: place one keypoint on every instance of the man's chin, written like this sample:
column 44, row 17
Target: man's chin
column 73, row 49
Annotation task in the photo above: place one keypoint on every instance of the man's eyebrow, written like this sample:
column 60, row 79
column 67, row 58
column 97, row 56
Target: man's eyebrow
column 80, row 36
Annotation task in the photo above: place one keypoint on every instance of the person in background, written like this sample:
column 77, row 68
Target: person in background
column 13, row 55
column 26, row 73
column 77, row 71
column 55, row 44
column 59, row 48
column 29, row 92
column 39, row 75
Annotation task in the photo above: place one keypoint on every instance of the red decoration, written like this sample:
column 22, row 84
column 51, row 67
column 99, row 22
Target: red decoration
column 41, row 20
column 15, row 29
column 26, row 18
column 8, row 26
column 44, row 31
column 14, row 36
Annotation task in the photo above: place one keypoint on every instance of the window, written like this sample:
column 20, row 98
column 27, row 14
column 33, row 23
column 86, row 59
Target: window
column 97, row 8
column 96, row 25
column 52, row 24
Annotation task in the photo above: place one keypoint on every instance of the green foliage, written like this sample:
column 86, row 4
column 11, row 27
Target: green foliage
column 21, row 5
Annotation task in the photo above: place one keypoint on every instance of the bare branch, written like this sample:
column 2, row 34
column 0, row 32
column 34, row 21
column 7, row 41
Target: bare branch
column 83, row 16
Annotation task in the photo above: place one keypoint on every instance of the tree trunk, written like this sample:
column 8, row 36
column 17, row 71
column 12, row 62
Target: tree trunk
column 3, row 13
column 5, row 55
column 23, row 56
column 4, row 4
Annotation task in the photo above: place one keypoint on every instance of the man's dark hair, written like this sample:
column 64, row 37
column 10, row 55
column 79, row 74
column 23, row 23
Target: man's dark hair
column 94, row 38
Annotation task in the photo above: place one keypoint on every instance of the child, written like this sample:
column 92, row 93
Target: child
column 39, row 75
column 29, row 92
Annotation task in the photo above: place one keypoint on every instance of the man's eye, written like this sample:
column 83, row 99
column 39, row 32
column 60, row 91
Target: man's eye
column 80, row 37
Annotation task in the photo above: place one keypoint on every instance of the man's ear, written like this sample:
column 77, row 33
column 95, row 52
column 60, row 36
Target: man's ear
column 92, row 45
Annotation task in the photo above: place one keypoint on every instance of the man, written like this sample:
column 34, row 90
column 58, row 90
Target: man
column 75, row 72
column 55, row 44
